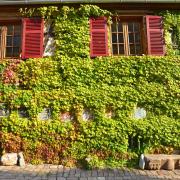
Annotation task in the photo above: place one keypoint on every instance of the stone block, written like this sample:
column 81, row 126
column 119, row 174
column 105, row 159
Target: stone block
column 177, row 164
column 142, row 162
column 154, row 164
column 9, row 159
column 170, row 164
column 21, row 161
column 162, row 161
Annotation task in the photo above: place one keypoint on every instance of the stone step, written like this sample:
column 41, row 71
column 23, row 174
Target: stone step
column 162, row 161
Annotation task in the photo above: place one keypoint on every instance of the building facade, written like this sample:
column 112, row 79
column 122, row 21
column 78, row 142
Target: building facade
column 136, row 29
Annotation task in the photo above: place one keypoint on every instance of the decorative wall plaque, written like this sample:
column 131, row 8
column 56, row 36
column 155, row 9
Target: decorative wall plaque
column 45, row 114
column 66, row 116
column 4, row 112
column 87, row 115
column 139, row 113
column 22, row 113
column 109, row 113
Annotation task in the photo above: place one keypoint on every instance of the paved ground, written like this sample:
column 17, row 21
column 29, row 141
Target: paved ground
column 53, row 172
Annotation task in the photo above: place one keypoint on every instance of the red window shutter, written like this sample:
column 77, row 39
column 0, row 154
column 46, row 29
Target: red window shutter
column 99, row 39
column 156, row 45
column 32, row 38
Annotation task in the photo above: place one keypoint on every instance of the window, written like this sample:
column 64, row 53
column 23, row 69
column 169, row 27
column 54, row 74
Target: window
column 10, row 40
column 129, row 36
column 21, row 39
column 126, row 37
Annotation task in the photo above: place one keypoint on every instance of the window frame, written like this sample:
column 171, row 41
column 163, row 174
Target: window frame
column 125, row 19
column 5, row 23
column 32, row 37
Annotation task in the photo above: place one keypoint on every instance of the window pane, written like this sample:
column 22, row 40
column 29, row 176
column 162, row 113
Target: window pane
column 13, row 41
column 16, row 41
column 121, row 49
column 114, row 38
column 17, row 30
column 132, row 49
column 138, row 49
column 126, row 34
column 9, row 41
column 120, row 38
column 8, row 52
column 115, row 49
column 130, row 27
column 15, row 52
column 131, row 38
column 113, row 27
column 137, row 37
column 136, row 27
column 120, row 29
column 9, row 30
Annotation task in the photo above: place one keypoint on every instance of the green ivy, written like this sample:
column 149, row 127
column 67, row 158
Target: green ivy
column 72, row 82
column 171, row 21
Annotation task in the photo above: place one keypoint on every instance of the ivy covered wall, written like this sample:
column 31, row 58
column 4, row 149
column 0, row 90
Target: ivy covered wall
column 171, row 31
column 89, row 104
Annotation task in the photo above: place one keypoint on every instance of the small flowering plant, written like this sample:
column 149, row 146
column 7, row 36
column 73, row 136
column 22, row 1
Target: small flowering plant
column 9, row 75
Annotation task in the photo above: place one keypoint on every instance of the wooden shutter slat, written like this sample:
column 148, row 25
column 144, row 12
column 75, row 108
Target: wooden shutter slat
column 156, row 45
column 99, row 40
column 32, row 38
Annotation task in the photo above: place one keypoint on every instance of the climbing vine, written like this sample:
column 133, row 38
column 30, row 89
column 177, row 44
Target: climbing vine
column 91, row 103
column 171, row 21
